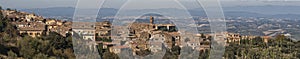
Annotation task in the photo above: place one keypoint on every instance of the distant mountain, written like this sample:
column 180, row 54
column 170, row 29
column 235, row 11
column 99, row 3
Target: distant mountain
column 261, row 11
column 153, row 14
column 67, row 11
column 107, row 12
column 55, row 11
column 244, row 11
column 267, row 9
column 291, row 16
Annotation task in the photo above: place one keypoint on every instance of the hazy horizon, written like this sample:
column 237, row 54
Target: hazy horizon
column 28, row 4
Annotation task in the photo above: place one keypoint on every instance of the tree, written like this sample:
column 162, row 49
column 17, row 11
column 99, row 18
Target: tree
column 109, row 55
column 103, row 39
column 163, row 28
column 57, row 41
column 258, row 41
column 11, row 30
column 40, row 56
column 1, row 14
column 101, row 50
column 69, row 53
column 143, row 52
column 26, row 47
column 210, row 38
column 202, row 35
column 204, row 54
column 0, row 7
column 3, row 24
column 12, row 55
column 169, row 55
column 176, row 50
column 8, row 9
column 172, row 29
column 188, row 53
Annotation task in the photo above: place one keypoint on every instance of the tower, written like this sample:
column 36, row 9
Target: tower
column 151, row 19
column 151, row 22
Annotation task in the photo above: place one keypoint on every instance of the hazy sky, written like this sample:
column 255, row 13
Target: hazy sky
column 24, row 4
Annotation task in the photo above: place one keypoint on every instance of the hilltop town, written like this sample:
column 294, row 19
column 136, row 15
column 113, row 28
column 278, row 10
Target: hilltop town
column 140, row 33
column 143, row 38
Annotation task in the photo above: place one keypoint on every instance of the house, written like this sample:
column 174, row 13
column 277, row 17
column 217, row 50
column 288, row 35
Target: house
column 166, row 27
column 85, row 29
column 103, row 29
column 231, row 37
column 33, row 29
column 30, row 17
column 193, row 43
column 117, row 49
column 266, row 38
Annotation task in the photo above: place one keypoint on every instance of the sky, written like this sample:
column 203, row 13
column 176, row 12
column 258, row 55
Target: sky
column 27, row 4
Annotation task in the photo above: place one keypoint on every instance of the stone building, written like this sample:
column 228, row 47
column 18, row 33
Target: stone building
column 117, row 49
column 33, row 29
column 58, row 26
column 150, row 36
column 17, row 16
column 85, row 29
column 231, row 37
column 103, row 29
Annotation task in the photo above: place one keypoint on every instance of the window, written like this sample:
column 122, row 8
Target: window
column 38, row 33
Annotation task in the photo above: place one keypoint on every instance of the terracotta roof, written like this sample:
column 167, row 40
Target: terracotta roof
column 18, row 23
column 103, row 29
column 119, row 47
column 83, row 25
column 164, row 25
column 31, row 26
column 108, row 43
column 31, row 29
column 105, row 23
column 174, row 33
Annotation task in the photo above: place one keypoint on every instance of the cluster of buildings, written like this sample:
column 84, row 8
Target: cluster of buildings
column 155, row 37
column 142, row 36
column 92, row 30
column 233, row 37
column 35, row 26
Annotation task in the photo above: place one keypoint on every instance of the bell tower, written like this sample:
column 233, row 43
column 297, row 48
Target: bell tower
column 151, row 19
column 151, row 22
